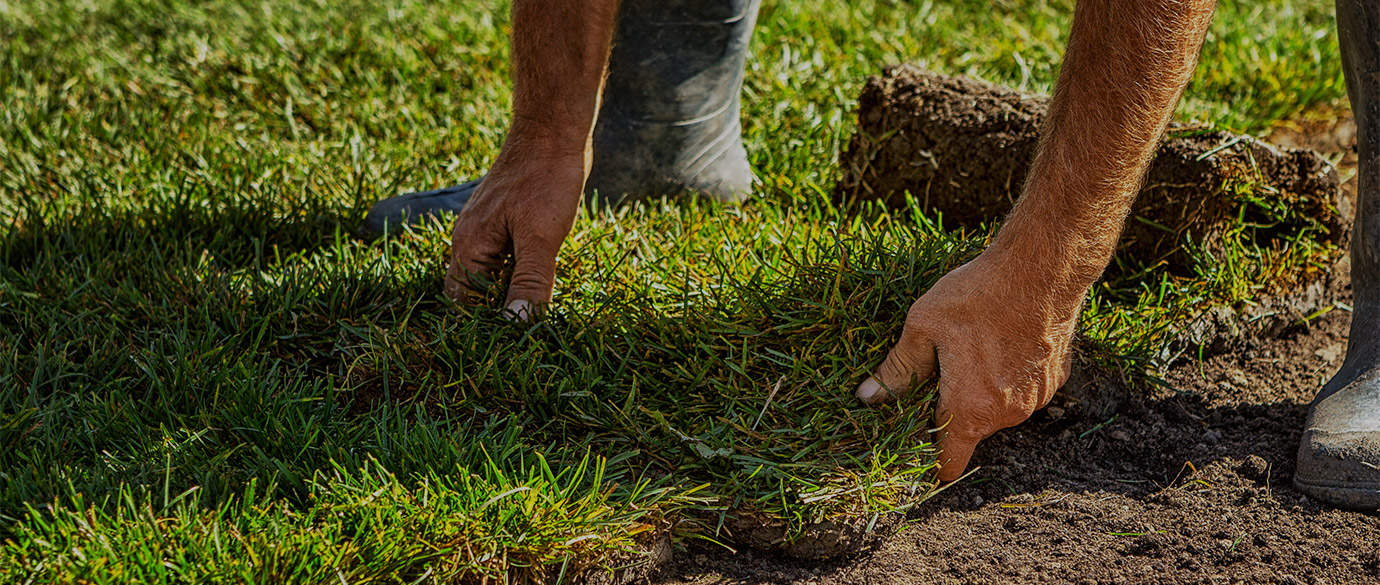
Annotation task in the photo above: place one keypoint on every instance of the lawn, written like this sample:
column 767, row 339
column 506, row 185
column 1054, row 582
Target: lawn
column 206, row 374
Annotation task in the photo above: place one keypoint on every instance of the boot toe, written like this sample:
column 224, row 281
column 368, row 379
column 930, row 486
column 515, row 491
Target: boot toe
column 391, row 214
column 1342, row 469
column 1339, row 456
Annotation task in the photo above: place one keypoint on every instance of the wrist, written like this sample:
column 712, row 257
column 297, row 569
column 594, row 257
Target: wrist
column 1063, row 230
column 565, row 133
column 537, row 169
column 555, row 153
column 1056, row 264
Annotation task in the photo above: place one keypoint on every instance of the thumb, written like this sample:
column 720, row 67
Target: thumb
column 911, row 360
column 534, row 277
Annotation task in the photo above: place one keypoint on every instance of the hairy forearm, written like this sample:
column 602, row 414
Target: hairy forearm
column 560, row 54
column 1124, row 70
column 527, row 204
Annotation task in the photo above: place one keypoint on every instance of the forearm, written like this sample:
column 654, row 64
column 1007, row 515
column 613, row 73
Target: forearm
column 1010, row 314
column 527, row 204
column 1124, row 70
column 560, row 54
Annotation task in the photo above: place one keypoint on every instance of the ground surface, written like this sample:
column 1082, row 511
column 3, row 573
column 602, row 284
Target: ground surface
column 207, row 375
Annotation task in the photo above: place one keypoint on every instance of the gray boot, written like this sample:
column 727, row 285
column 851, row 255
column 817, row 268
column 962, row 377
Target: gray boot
column 1339, row 457
column 669, row 123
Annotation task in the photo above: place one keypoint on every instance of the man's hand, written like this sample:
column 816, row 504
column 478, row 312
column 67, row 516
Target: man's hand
column 1000, row 343
column 527, row 203
column 526, row 206
column 997, row 330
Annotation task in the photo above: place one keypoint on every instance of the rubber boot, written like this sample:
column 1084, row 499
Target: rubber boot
column 1339, row 456
column 670, row 121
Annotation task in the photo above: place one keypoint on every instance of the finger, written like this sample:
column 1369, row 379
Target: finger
column 959, row 433
column 911, row 360
column 534, row 276
column 474, row 253
column 956, row 446
column 964, row 420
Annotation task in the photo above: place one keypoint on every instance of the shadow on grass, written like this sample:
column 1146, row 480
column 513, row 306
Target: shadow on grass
column 236, row 231
column 161, row 365
column 200, row 337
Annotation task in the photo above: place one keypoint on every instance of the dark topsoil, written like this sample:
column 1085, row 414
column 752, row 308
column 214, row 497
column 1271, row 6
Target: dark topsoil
column 1186, row 484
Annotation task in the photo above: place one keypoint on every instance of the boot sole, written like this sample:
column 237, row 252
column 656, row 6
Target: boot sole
column 1342, row 495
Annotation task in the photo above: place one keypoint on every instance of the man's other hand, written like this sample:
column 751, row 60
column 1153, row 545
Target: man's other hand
column 999, row 344
column 525, row 207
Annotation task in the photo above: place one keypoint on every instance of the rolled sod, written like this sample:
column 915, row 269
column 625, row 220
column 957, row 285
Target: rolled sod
column 963, row 147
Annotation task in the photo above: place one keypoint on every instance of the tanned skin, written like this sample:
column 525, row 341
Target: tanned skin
column 527, row 203
column 996, row 331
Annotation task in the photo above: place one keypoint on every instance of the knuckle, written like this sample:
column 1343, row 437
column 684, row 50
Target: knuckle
column 905, row 361
column 928, row 321
column 967, row 431
column 541, row 240
column 916, row 332
column 918, row 316
column 1022, row 404
column 529, row 280
column 966, row 419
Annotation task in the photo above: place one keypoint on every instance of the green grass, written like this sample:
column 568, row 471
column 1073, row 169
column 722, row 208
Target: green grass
column 205, row 376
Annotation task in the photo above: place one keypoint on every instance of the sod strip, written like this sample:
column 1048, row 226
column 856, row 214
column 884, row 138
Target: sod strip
column 674, row 389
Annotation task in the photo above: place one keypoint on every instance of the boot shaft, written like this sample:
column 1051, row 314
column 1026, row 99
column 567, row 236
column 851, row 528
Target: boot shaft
column 676, row 61
column 1358, row 33
column 1358, row 28
column 670, row 121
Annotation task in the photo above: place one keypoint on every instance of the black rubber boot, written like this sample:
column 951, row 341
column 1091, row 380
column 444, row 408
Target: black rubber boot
column 1339, row 457
column 670, row 120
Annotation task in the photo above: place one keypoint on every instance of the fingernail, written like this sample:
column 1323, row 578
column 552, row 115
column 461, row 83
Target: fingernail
column 519, row 310
column 869, row 390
